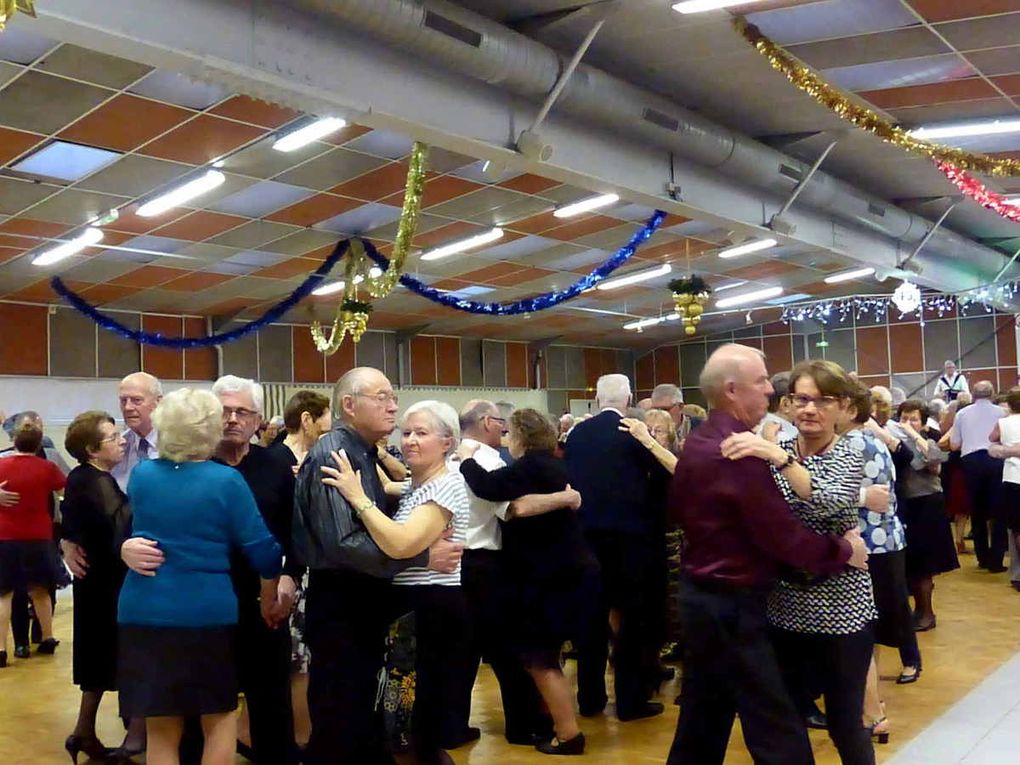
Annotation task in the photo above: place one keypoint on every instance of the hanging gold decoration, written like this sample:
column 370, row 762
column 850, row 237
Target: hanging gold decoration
column 9, row 7
column 383, row 285
column 344, row 320
column 690, row 295
column 839, row 104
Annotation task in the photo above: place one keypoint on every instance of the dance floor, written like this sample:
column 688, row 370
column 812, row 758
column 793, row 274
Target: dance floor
column 978, row 630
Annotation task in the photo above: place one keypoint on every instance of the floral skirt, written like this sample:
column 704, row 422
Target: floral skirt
column 300, row 656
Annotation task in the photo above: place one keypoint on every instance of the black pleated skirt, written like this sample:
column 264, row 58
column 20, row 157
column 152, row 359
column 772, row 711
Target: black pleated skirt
column 26, row 564
column 931, row 549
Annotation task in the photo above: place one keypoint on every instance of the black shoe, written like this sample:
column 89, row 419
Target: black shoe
column 648, row 709
column 906, row 678
column 573, row 746
column 591, row 710
column 22, row 651
column 817, row 721
column 245, row 750
column 465, row 737
column 1016, row 586
column 122, row 755
column 925, row 626
column 3, row 659
column 91, row 746
column 48, row 647
column 997, row 569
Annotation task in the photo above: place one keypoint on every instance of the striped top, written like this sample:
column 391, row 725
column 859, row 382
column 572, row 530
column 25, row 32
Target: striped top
column 449, row 492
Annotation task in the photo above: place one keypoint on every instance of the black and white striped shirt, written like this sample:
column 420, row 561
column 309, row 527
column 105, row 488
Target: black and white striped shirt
column 449, row 492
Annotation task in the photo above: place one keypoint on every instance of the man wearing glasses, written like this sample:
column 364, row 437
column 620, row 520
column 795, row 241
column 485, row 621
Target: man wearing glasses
column 668, row 398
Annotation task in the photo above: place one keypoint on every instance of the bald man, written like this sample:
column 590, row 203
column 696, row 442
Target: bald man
column 738, row 530
column 139, row 394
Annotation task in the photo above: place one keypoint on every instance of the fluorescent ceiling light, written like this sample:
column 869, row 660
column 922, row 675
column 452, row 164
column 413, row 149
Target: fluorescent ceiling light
column 651, row 322
column 788, row 298
column 332, row 287
column 587, row 205
column 846, row 276
column 311, row 132
column 962, row 130
column 700, row 6
column 747, row 248
column 729, row 286
column 65, row 161
column 749, row 297
column 183, row 193
column 68, row 248
column 470, row 243
column 634, row 278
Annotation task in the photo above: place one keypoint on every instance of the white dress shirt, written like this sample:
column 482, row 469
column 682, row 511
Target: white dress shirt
column 483, row 532
column 133, row 455
column 973, row 426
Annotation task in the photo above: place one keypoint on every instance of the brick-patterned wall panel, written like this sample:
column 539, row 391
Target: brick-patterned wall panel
column 309, row 366
column 448, row 360
column 517, row 365
column 24, row 329
column 423, row 360
column 199, row 363
column 667, row 365
column 342, row 361
column 164, row 363
column 778, row 352
column 72, row 344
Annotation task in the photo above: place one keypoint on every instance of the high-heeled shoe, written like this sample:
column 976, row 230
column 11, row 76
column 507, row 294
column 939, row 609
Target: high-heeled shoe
column 122, row 755
column 90, row 745
column 48, row 647
column 879, row 730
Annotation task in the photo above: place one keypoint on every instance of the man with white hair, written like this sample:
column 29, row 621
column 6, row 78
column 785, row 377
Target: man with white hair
column 970, row 434
column 350, row 600
column 139, row 395
column 951, row 383
column 611, row 469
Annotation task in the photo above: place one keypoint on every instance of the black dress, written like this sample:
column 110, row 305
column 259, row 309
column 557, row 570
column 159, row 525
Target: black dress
column 96, row 516
column 546, row 555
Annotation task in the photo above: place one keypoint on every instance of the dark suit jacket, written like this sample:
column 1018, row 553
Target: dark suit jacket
column 612, row 471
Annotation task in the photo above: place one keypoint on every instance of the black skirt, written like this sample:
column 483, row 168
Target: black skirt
column 27, row 564
column 1009, row 508
column 895, row 625
column 95, row 629
column 930, row 546
column 176, row 671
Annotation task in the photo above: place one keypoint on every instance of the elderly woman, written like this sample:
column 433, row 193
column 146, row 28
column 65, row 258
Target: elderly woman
column 306, row 417
column 96, row 518
column 433, row 502
column 822, row 628
column 175, row 649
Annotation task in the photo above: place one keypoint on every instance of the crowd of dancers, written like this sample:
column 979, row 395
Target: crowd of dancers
column 340, row 563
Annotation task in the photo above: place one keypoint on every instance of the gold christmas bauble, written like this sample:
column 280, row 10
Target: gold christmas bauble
column 695, row 310
column 683, row 298
column 690, row 329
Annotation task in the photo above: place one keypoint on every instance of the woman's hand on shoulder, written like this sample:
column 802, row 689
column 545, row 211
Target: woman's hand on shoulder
column 344, row 477
column 637, row 429
column 740, row 445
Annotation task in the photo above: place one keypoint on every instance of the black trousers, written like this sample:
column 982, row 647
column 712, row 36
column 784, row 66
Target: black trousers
column 838, row 665
column 984, row 480
column 895, row 625
column 263, row 670
column 25, row 629
column 730, row 668
column 487, row 591
column 629, row 570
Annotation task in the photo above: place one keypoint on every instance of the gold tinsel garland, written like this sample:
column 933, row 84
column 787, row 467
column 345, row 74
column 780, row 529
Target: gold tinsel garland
column 837, row 102
column 341, row 324
column 9, row 7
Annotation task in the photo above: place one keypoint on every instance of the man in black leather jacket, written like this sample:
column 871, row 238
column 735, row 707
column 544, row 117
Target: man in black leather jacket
column 349, row 604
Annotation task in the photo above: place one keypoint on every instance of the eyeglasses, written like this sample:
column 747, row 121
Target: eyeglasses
column 669, row 408
column 801, row 401
column 383, row 397
column 240, row 412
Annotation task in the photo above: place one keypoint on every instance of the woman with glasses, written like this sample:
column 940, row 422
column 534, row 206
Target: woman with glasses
column 822, row 628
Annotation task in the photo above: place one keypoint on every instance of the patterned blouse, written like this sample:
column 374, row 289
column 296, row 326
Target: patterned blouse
column 842, row 604
column 882, row 532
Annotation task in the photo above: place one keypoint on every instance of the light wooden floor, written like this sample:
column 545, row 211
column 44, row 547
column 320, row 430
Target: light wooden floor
column 979, row 629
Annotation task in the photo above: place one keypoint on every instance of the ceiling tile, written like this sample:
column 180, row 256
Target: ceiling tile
column 64, row 161
column 446, row 234
column 529, row 184
column 203, row 253
column 147, row 276
column 964, row 110
column 506, row 215
column 313, row 210
column 75, row 207
column 22, row 46
column 102, row 294
column 134, row 176
column 388, row 232
column 256, row 258
column 361, row 219
column 831, row 18
column 978, row 34
column 476, row 203
column 92, row 66
column 346, row 135
column 443, row 161
column 7, row 253
column 866, row 49
column 30, row 227
column 232, row 269
column 289, row 268
column 254, row 234
column 8, row 72
column 44, row 104
column 176, row 88
column 16, row 194
column 200, row 225
column 1009, row 85
column 517, row 249
column 261, row 198
column 301, row 242
column 329, row 170
column 476, row 172
column 382, row 143
column 521, row 277
column 996, row 60
column 579, row 229
column 199, row 280
column 247, row 109
column 125, row 122
column 442, row 189
column 99, row 269
column 202, row 140
column 972, row 89
column 895, row 74
column 263, row 161
column 14, row 143
column 375, row 185
column 948, row 10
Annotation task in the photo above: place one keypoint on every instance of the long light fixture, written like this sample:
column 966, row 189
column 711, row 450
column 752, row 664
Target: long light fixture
column 729, row 286
column 492, row 235
column 747, row 248
column 183, row 193
column 846, row 276
column 966, row 129
column 700, row 6
column 749, row 297
column 67, row 249
column 634, row 278
column 328, row 289
column 313, row 131
column 586, row 205
column 651, row 322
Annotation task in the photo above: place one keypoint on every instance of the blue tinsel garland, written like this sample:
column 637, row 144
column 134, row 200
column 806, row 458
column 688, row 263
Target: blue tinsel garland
column 532, row 304
column 149, row 338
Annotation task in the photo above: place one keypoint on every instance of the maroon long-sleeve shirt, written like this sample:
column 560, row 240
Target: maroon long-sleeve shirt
column 737, row 527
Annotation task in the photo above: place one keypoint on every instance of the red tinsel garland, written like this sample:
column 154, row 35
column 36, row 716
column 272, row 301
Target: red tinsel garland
column 972, row 188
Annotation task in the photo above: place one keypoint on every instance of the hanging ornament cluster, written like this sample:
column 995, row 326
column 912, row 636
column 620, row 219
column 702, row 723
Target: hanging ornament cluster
column 907, row 297
column 351, row 314
column 690, row 295
column 9, row 7
column 976, row 191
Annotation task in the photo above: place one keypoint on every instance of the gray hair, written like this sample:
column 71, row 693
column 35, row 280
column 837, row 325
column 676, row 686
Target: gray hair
column 474, row 411
column 235, row 384
column 351, row 383
column 155, row 386
column 983, row 389
column 937, row 407
column 882, row 392
column 668, row 392
column 566, row 419
column 277, row 421
column 898, row 396
column 612, row 389
column 444, row 419
column 505, row 409
column 948, row 362
column 963, row 398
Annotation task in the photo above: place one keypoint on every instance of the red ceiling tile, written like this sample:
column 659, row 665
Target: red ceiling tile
column 449, row 233
column 349, row 133
column 520, row 277
column 289, row 268
column 14, row 143
column 590, row 225
column 390, row 320
column 7, row 253
column 529, row 184
column 439, row 190
column 950, row 10
column 487, row 274
column 193, row 282
column 100, row 294
column 763, row 270
column 200, row 225
column 201, row 140
column 41, row 291
column 112, row 238
column 125, row 122
column 135, row 224
column 19, row 242
column 452, row 285
column 536, row 224
column 31, row 227
column 970, row 89
column 257, row 112
column 1010, row 84
column 313, row 210
column 375, row 184
column 147, row 276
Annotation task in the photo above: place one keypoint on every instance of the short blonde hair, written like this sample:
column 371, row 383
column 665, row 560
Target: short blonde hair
column 190, row 425
column 662, row 420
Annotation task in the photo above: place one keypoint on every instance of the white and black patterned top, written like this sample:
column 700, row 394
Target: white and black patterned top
column 882, row 532
column 842, row 604
column 449, row 492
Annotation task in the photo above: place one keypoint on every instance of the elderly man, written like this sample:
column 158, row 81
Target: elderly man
column 263, row 650
column 350, row 600
column 611, row 469
column 738, row 530
column 780, row 413
column 668, row 398
column 139, row 395
column 970, row 434
column 952, row 382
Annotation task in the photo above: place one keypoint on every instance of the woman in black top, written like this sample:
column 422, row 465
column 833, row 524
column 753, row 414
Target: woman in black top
column 96, row 518
column 547, row 556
